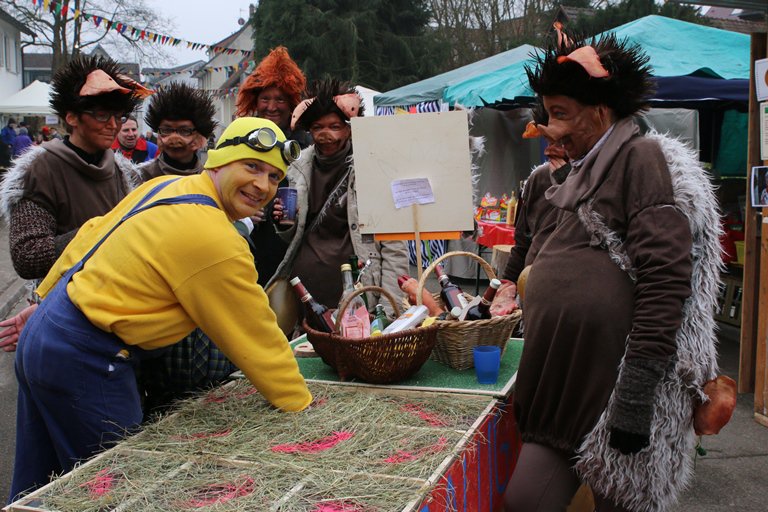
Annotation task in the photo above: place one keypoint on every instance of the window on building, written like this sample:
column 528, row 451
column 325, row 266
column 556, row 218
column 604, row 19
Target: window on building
column 17, row 55
column 7, row 51
column 2, row 49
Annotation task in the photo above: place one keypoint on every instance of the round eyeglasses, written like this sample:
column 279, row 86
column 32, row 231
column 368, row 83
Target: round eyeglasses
column 184, row 131
column 103, row 116
column 264, row 139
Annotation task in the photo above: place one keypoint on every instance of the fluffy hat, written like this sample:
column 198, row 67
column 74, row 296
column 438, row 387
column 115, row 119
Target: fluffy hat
column 329, row 96
column 181, row 102
column 620, row 78
column 241, row 127
column 69, row 82
column 277, row 69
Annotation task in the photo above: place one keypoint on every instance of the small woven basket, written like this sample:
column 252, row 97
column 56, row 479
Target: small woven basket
column 457, row 339
column 379, row 359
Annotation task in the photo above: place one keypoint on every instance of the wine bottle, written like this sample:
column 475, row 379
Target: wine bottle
column 318, row 316
column 451, row 294
column 380, row 322
column 356, row 323
column 409, row 285
column 482, row 310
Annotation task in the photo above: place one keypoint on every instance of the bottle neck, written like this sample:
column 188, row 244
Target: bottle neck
column 347, row 281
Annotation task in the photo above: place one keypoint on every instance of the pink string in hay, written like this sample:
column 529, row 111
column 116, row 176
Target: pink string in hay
column 220, row 493
column 405, row 456
column 430, row 418
column 202, row 435
column 319, row 445
column 101, row 484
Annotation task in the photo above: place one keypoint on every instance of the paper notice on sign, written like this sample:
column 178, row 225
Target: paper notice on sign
column 412, row 191
column 761, row 79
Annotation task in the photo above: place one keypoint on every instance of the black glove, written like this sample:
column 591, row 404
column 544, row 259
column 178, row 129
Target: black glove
column 630, row 416
column 627, row 442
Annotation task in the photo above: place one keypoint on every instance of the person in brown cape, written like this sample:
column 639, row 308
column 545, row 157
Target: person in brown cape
column 619, row 327
column 55, row 187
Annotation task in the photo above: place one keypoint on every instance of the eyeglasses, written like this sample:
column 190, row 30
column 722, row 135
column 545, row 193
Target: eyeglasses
column 184, row 131
column 102, row 116
column 264, row 139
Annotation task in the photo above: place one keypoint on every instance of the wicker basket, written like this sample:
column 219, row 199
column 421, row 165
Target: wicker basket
column 456, row 339
column 380, row 359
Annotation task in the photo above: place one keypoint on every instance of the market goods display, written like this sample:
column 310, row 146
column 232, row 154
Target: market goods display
column 456, row 339
column 230, row 450
column 380, row 359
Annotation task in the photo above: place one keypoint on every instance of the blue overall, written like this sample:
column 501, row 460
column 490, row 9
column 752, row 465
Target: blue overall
column 77, row 383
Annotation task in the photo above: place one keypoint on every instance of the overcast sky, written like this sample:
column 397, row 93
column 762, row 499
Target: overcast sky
column 201, row 22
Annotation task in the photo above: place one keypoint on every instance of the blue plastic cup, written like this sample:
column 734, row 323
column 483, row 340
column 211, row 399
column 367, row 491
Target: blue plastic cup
column 487, row 361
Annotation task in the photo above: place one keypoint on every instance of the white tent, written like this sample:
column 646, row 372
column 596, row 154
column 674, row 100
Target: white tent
column 32, row 100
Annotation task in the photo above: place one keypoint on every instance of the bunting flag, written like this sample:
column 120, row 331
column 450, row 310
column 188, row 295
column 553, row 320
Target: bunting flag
column 58, row 8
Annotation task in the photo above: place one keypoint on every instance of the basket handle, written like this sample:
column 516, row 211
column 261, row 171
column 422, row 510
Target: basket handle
column 359, row 291
column 423, row 279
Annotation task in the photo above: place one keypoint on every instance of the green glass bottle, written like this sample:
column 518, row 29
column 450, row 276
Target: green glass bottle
column 380, row 322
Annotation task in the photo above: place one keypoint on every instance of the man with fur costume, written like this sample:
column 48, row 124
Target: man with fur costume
column 620, row 299
column 54, row 188
column 327, row 231
column 183, row 118
column 272, row 91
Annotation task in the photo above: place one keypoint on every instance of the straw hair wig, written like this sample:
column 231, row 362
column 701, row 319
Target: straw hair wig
column 182, row 102
column 626, row 90
column 277, row 69
column 70, row 79
column 326, row 97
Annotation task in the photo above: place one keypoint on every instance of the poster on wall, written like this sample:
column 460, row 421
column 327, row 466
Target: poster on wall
column 759, row 186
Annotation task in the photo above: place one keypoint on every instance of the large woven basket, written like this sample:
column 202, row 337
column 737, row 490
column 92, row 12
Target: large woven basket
column 456, row 339
column 380, row 359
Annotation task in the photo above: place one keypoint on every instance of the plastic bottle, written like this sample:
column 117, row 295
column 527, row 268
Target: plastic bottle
column 409, row 285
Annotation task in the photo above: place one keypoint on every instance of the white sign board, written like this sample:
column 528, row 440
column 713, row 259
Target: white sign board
column 411, row 159
column 761, row 79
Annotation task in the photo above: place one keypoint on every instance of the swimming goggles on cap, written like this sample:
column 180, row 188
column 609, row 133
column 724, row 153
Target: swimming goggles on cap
column 265, row 139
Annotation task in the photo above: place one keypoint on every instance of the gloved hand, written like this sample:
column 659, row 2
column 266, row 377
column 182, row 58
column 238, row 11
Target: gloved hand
column 627, row 442
column 631, row 414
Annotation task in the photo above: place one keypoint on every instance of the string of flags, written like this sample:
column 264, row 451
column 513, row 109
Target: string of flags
column 208, row 69
column 59, row 7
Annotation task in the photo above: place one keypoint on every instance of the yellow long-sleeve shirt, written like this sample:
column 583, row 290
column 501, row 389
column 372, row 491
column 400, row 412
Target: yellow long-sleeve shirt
column 172, row 268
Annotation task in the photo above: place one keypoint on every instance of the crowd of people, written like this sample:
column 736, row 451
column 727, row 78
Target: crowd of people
column 151, row 262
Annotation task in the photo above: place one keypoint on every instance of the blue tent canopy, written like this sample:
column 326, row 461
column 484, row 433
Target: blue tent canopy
column 692, row 63
column 433, row 89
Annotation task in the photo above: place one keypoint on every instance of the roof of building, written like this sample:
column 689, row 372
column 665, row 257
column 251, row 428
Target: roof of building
column 16, row 23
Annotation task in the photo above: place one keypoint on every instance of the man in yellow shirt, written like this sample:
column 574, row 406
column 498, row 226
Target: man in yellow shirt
column 165, row 260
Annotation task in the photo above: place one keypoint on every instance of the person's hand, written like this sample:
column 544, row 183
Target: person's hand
column 259, row 216
column 277, row 210
column 627, row 442
column 9, row 337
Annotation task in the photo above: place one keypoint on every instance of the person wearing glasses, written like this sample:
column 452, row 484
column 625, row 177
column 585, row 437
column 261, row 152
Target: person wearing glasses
column 163, row 261
column 131, row 144
column 53, row 188
column 183, row 118
column 326, row 231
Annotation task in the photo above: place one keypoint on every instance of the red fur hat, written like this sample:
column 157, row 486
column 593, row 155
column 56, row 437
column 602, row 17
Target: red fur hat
column 275, row 70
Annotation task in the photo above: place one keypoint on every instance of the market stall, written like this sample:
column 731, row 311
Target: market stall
column 436, row 441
